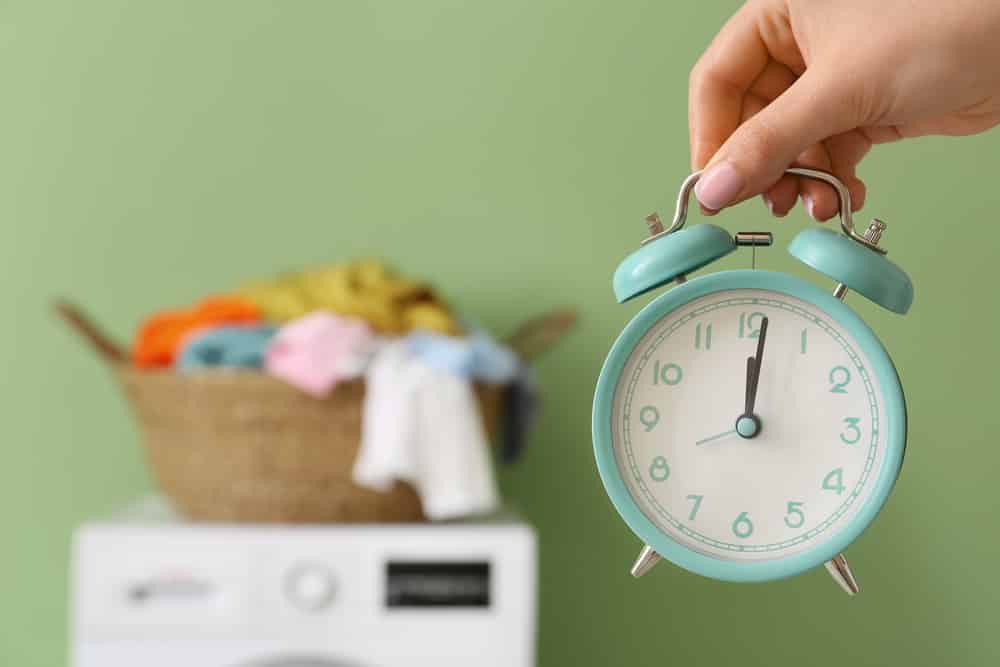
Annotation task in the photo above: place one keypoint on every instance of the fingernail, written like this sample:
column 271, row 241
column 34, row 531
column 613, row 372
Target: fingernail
column 718, row 186
column 770, row 207
column 808, row 202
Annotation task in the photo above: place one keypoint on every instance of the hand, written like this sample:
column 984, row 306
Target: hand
column 748, row 424
column 818, row 83
column 717, row 436
column 753, row 371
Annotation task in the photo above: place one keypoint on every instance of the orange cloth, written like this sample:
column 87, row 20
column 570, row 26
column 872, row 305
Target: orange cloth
column 161, row 336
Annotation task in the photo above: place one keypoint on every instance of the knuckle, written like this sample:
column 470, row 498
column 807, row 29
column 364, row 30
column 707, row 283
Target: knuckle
column 697, row 75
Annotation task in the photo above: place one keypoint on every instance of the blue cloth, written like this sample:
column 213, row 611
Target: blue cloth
column 227, row 346
column 479, row 357
column 476, row 357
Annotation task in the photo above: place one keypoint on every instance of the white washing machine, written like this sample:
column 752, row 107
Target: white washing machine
column 151, row 590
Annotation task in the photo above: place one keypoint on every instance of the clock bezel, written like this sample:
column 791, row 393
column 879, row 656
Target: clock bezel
column 894, row 403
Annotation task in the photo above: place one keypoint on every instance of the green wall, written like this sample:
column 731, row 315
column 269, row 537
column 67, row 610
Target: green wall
column 150, row 152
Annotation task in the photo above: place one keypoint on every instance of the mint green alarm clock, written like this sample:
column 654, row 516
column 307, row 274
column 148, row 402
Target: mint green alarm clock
column 748, row 425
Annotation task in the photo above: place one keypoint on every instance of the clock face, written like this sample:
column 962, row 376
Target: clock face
column 816, row 447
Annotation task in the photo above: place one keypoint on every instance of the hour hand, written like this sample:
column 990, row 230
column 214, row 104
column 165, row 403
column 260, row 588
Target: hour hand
column 748, row 424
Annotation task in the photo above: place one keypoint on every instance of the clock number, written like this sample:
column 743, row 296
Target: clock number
column 742, row 527
column 697, row 504
column 667, row 373
column 852, row 433
column 803, row 348
column 794, row 511
column 649, row 417
column 834, row 481
column 747, row 327
column 659, row 471
column 708, row 337
column 840, row 377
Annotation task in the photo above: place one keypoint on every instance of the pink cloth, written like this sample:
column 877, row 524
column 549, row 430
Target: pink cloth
column 317, row 351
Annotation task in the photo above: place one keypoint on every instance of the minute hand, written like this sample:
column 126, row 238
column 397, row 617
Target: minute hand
column 753, row 370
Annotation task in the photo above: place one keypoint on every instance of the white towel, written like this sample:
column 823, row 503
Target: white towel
column 422, row 425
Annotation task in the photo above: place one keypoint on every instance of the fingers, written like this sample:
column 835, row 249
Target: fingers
column 819, row 199
column 846, row 152
column 750, row 116
column 719, row 82
column 879, row 134
column 756, row 154
column 839, row 155
column 781, row 197
column 772, row 82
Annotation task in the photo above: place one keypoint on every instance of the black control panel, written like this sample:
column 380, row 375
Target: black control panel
column 412, row 584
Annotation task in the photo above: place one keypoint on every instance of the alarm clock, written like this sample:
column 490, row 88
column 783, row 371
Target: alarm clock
column 748, row 425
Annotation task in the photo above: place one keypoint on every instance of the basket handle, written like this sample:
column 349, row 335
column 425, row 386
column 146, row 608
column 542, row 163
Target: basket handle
column 104, row 345
column 539, row 334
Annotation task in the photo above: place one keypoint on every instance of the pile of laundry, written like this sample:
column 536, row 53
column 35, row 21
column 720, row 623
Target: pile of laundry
column 421, row 421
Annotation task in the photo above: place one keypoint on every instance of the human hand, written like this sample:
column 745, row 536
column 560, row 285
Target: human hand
column 817, row 83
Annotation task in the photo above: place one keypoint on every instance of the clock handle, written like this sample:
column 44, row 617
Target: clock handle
column 657, row 229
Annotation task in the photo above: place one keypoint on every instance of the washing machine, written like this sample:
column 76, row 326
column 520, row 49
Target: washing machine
column 150, row 589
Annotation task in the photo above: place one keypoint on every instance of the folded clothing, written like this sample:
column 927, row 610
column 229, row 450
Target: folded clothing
column 226, row 346
column 161, row 336
column 422, row 425
column 317, row 351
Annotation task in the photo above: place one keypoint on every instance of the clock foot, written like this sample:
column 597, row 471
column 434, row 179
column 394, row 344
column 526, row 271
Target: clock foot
column 645, row 562
column 841, row 573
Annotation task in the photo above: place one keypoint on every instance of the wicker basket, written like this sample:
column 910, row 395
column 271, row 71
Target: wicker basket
column 242, row 446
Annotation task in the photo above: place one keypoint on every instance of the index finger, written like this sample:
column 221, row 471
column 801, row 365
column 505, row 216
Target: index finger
column 720, row 80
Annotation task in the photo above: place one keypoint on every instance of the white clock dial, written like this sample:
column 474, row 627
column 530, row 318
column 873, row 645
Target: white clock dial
column 794, row 483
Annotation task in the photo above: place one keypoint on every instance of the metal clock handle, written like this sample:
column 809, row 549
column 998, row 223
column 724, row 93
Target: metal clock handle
column 869, row 239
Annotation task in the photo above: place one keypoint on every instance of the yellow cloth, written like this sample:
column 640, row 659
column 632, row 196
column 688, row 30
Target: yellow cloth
column 367, row 289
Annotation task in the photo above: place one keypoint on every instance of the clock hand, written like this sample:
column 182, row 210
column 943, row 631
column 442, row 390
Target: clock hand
column 753, row 370
column 715, row 437
column 748, row 424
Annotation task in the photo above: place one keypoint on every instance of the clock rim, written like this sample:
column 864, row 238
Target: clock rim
column 775, row 568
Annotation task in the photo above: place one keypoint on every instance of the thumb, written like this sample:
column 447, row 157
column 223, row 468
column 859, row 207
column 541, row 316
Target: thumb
column 755, row 156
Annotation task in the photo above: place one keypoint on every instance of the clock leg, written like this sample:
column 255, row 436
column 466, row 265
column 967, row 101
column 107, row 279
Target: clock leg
column 841, row 573
column 645, row 562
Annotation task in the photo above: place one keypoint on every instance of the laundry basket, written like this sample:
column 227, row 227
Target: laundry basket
column 239, row 445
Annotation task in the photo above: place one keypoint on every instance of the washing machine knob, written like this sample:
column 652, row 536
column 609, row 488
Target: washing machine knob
column 310, row 586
